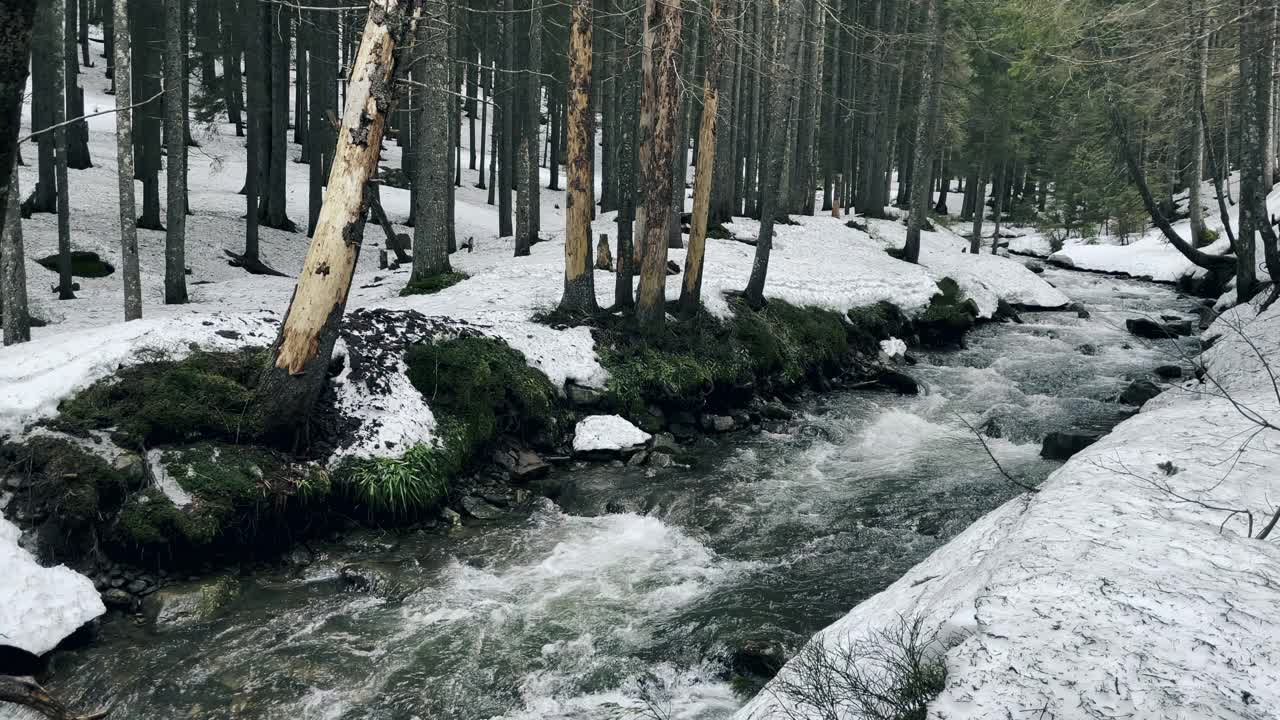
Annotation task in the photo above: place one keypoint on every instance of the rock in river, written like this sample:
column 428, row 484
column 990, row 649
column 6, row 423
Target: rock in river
column 1139, row 392
column 1062, row 445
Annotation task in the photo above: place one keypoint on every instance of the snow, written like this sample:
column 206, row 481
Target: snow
column 607, row 432
column 166, row 482
column 985, row 278
column 1103, row 595
column 40, row 606
column 893, row 347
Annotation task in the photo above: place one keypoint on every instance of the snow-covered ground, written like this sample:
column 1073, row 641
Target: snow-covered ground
column 1126, row 587
column 40, row 606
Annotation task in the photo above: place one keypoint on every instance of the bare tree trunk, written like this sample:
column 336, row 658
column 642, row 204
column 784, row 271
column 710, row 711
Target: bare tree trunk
column 662, row 96
column 930, row 70
column 1200, row 75
column 300, row 357
column 532, row 122
column 77, row 132
column 628, row 128
column 787, row 19
column 979, row 211
column 431, row 221
column 579, row 278
column 124, row 152
column 175, row 278
column 13, row 272
column 691, row 289
column 17, row 17
column 1251, row 149
column 65, row 281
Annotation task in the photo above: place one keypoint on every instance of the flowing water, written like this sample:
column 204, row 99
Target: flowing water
column 572, row 611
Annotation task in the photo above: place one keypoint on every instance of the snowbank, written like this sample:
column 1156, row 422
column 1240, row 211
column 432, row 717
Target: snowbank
column 40, row 606
column 607, row 432
column 1104, row 595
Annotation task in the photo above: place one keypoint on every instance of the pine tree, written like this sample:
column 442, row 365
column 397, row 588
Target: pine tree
column 431, row 221
column 124, row 152
column 175, row 275
column 579, row 296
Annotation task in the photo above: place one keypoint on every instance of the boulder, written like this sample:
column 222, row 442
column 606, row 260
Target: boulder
column 774, row 410
column 1139, row 392
column 1169, row 372
column 1035, row 267
column 757, row 659
column 1145, row 328
column 583, row 397
column 187, row 604
column 607, row 434
column 370, row 577
column 480, row 508
column 716, row 423
column 899, row 382
column 529, row 466
column 1062, row 445
column 660, row 460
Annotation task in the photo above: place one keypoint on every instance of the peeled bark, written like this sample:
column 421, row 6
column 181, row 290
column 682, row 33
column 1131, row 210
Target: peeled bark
column 691, row 288
column 930, row 69
column 430, row 207
column 579, row 278
column 662, row 97
column 175, row 268
column 300, row 357
column 124, row 152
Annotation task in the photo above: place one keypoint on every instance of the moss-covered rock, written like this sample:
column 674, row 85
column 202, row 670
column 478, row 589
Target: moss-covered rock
column 949, row 316
column 433, row 284
column 181, row 605
column 207, row 396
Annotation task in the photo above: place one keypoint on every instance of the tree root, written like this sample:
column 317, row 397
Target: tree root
column 251, row 264
column 26, row 691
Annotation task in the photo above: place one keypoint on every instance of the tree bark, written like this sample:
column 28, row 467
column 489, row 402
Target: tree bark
column 175, row 278
column 13, row 273
column 274, row 209
column 1200, row 76
column 662, row 97
column 77, row 132
column 25, row 691
column 17, row 19
column 707, row 167
column 44, row 67
column 787, row 19
column 430, row 209
column 144, row 26
column 65, row 281
column 579, row 278
column 300, row 356
column 132, row 282
column 930, row 70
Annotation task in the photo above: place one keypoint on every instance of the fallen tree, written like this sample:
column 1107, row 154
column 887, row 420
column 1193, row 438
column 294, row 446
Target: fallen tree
column 26, row 691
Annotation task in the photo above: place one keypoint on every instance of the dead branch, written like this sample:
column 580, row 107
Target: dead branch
column 26, row 691
column 991, row 455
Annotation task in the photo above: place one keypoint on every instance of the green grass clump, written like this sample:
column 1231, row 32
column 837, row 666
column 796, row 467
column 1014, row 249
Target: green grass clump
column 433, row 284
column 416, row 481
column 208, row 395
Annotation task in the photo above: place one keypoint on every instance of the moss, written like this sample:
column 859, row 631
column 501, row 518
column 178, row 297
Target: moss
column 433, row 283
column 949, row 316
column 76, row 485
column 719, row 232
column 206, row 396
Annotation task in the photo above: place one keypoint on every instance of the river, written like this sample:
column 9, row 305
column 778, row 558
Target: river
column 576, row 612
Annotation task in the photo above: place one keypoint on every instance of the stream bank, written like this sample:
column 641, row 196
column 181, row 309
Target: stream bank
column 643, row 580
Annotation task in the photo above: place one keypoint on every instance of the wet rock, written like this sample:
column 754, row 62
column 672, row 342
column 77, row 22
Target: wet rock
column 583, row 397
column 450, row 517
column 1005, row 311
column 299, row 556
column 177, row 606
column 1035, row 267
column 1139, row 392
column 1144, row 328
column 683, row 431
column 992, row 429
column 661, row 460
column 774, row 410
column 741, row 418
column 665, row 442
column 1169, row 372
column 118, row 598
column 138, row 586
column 367, row 577
column 1062, row 445
column 717, row 423
column 758, row 659
column 1087, row 349
column 480, row 508
column 1207, row 316
column 899, row 382
column 529, row 466
column 638, row 459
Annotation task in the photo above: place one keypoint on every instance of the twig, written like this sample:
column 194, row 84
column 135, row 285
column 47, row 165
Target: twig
column 74, row 120
column 991, row 455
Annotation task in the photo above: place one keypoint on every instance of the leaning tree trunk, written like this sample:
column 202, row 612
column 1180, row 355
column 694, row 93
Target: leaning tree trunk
column 175, row 117
column 124, row 173
column 579, row 278
column 930, row 69
column 430, row 207
column 16, row 20
column 13, row 274
column 300, row 357
column 691, row 288
column 662, row 96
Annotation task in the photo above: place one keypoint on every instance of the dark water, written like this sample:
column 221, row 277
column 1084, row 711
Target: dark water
column 575, row 612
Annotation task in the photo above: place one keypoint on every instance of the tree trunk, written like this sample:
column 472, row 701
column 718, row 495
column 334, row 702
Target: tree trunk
column 13, row 273
column 691, row 288
column 1200, row 76
column 979, row 183
column 17, row 18
column 124, row 152
column 787, row 20
column 144, row 25
column 175, row 279
column 930, row 70
column 45, row 54
column 275, row 213
column 579, row 278
column 1256, row 29
column 77, row 132
column 431, row 221
column 256, row 105
column 506, row 144
column 662, row 98
column 628, row 128
column 300, row 357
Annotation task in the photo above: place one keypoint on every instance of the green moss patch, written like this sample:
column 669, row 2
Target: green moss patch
column 208, row 395
column 433, row 284
column 949, row 316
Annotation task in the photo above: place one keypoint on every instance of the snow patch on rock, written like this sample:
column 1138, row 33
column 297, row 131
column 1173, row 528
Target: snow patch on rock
column 40, row 606
column 607, row 433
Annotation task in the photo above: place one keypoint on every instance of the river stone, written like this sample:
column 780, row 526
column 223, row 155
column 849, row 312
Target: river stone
column 1144, row 328
column 757, row 659
column 1035, row 267
column 370, row 577
column 480, row 508
column 118, row 598
column 660, row 460
column 638, row 459
column 1062, row 445
column 581, row 396
column 1169, row 372
column 899, row 382
column 1087, row 349
column 450, row 517
column 1139, row 392
column 181, row 605
column 665, row 442
column 774, row 410
column 529, row 466
column 717, row 423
